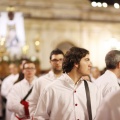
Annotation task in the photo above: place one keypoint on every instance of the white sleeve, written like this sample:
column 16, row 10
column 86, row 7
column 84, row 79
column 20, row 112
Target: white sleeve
column 43, row 109
column 5, row 87
column 14, row 99
column 33, row 98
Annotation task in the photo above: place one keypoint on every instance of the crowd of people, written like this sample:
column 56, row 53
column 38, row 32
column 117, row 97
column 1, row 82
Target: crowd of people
column 73, row 89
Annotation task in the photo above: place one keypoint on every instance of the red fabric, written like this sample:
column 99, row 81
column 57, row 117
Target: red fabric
column 26, row 105
column 18, row 118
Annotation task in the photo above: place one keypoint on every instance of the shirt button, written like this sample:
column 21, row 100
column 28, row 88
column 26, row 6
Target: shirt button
column 76, row 104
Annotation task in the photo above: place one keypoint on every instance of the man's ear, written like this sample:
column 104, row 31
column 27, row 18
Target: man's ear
column 119, row 65
column 76, row 65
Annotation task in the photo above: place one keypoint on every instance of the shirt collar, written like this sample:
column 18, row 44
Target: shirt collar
column 52, row 76
column 26, row 82
column 69, row 79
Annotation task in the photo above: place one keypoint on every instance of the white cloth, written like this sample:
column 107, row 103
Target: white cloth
column 18, row 92
column 7, row 84
column 39, row 85
column 92, row 79
column 63, row 100
column 6, row 87
column 108, row 83
column 110, row 108
column 119, row 81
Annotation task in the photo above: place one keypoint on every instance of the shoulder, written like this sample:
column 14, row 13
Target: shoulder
column 7, row 78
column 19, row 84
column 43, row 77
column 92, row 86
column 113, row 100
column 43, row 80
column 55, row 85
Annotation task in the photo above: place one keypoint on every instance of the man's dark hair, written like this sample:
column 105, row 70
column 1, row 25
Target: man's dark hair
column 112, row 59
column 28, row 62
column 72, row 56
column 56, row 52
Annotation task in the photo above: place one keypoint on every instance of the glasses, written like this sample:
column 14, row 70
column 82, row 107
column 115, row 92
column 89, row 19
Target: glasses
column 55, row 60
column 29, row 68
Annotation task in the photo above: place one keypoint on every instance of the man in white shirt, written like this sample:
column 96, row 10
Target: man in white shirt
column 8, row 82
column 110, row 108
column 7, row 85
column 19, row 91
column 65, row 98
column 56, row 59
column 108, row 82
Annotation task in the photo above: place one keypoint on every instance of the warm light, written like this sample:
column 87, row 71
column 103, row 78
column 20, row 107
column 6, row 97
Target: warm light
column 99, row 4
column 113, row 43
column 10, row 8
column 104, row 4
column 116, row 5
column 94, row 4
column 5, row 58
column 25, row 49
column 37, row 43
column 2, row 41
column 33, row 58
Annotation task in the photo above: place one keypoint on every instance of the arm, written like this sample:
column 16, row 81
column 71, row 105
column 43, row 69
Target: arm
column 6, row 87
column 38, row 88
column 33, row 98
column 43, row 109
column 14, row 99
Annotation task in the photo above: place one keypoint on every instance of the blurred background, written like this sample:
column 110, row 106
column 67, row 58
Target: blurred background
column 33, row 28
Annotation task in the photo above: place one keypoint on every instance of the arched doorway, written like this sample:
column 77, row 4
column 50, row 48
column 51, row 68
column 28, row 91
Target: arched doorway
column 65, row 46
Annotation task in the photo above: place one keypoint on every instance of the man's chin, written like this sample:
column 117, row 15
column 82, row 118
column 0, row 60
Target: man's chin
column 58, row 71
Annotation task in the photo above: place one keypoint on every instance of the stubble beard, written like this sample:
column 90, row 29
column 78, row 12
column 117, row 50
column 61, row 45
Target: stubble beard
column 57, row 71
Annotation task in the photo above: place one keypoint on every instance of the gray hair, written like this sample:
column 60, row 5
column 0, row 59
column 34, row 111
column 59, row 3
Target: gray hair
column 112, row 59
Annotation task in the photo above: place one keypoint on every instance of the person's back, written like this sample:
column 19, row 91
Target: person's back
column 110, row 108
column 108, row 82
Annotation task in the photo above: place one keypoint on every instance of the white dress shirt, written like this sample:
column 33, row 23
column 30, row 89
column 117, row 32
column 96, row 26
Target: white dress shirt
column 18, row 92
column 108, row 83
column 63, row 100
column 110, row 108
column 39, row 85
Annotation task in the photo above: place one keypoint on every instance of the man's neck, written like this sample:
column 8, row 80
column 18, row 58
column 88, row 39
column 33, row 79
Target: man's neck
column 30, row 80
column 15, row 73
column 57, row 73
column 74, row 76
